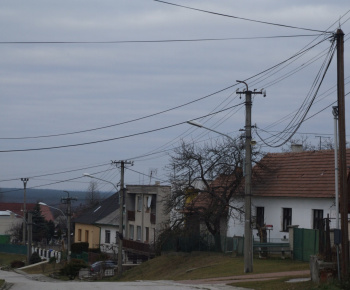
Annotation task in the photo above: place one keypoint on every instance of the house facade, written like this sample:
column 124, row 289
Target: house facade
column 145, row 205
column 92, row 224
column 295, row 189
column 143, row 219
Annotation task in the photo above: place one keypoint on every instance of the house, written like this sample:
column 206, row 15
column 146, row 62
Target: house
column 145, row 218
column 17, row 209
column 290, row 189
column 93, row 224
column 7, row 221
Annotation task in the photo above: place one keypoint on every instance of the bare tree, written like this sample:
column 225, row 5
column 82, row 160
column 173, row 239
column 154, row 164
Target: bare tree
column 92, row 196
column 207, row 180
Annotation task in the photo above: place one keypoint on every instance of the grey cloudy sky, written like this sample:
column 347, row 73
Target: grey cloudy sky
column 50, row 88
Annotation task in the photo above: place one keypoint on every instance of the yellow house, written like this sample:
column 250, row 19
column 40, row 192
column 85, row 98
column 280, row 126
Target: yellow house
column 87, row 228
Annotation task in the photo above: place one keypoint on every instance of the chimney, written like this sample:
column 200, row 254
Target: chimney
column 157, row 183
column 297, row 148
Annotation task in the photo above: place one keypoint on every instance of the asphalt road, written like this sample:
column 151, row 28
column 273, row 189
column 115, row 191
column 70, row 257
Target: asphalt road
column 40, row 282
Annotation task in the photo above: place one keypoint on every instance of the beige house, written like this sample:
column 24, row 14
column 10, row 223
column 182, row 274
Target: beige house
column 145, row 205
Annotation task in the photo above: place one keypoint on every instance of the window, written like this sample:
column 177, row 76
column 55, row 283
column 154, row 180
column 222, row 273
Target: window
column 86, row 236
column 287, row 219
column 147, row 234
column 138, row 233
column 79, row 235
column 260, row 217
column 318, row 219
column 139, row 203
column 131, row 232
column 107, row 237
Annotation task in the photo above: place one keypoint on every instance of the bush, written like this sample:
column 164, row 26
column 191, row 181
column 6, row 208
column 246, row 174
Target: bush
column 78, row 248
column 72, row 268
column 35, row 258
column 17, row 264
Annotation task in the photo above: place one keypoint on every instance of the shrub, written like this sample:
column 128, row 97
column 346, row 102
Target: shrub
column 17, row 264
column 72, row 268
column 78, row 248
column 34, row 258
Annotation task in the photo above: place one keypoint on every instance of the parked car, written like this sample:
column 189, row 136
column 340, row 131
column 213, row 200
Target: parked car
column 97, row 266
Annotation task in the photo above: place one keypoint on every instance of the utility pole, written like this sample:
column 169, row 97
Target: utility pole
column 30, row 237
column 121, row 209
column 25, row 180
column 248, row 236
column 68, row 201
column 342, row 154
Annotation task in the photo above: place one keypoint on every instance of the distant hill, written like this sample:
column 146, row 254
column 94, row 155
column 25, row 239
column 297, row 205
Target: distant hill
column 48, row 196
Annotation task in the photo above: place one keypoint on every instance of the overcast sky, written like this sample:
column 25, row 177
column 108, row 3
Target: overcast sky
column 72, row 66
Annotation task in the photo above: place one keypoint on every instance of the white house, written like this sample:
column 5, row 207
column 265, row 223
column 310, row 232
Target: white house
column 291, row 189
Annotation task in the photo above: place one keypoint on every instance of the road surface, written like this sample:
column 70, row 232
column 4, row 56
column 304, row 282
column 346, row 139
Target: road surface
column 40, row 282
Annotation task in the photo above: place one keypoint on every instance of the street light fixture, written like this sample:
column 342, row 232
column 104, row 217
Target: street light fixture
column 120, row 243
column 199, row 125
column 42, row 203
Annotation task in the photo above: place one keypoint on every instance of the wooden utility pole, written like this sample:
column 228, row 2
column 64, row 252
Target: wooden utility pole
column 248, row 236
column 342, row 154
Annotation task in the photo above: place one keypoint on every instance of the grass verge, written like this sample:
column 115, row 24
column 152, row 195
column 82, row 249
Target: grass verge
column 200, row 265
column 6, row 259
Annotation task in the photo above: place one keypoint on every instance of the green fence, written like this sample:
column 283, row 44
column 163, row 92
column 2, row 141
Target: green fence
column 305, row 244
column 13, row 249
column 5, row 239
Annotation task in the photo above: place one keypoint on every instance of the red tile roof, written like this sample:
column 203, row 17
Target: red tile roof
column 299, row 174
column 17, row 208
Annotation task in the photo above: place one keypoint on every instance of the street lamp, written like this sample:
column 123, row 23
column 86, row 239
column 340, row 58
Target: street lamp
column 248, row 243
column 121, row 202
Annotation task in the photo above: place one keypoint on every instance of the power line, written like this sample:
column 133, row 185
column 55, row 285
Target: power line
column 241, row 18
column 160, row 41
column 110, row 139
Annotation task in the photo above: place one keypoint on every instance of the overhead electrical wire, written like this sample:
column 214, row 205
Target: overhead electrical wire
column 164, row 111
column 240, row 18
column 159, row 41
column 109, row 139
column 303, row 109
column 309, row 117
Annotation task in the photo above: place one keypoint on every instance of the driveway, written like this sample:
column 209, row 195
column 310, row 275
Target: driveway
column 41, row 282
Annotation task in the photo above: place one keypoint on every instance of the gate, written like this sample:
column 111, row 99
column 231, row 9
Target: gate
column 305, row 244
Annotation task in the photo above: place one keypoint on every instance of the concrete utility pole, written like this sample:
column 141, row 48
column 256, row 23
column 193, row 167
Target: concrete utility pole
column 68, row 201
column 342, row 154
column 25, row 180
column 248, row 237
column 30, row 237
column 121, row 207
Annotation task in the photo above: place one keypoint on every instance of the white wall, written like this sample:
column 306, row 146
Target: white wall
column 110, row 247
column 302, row 214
